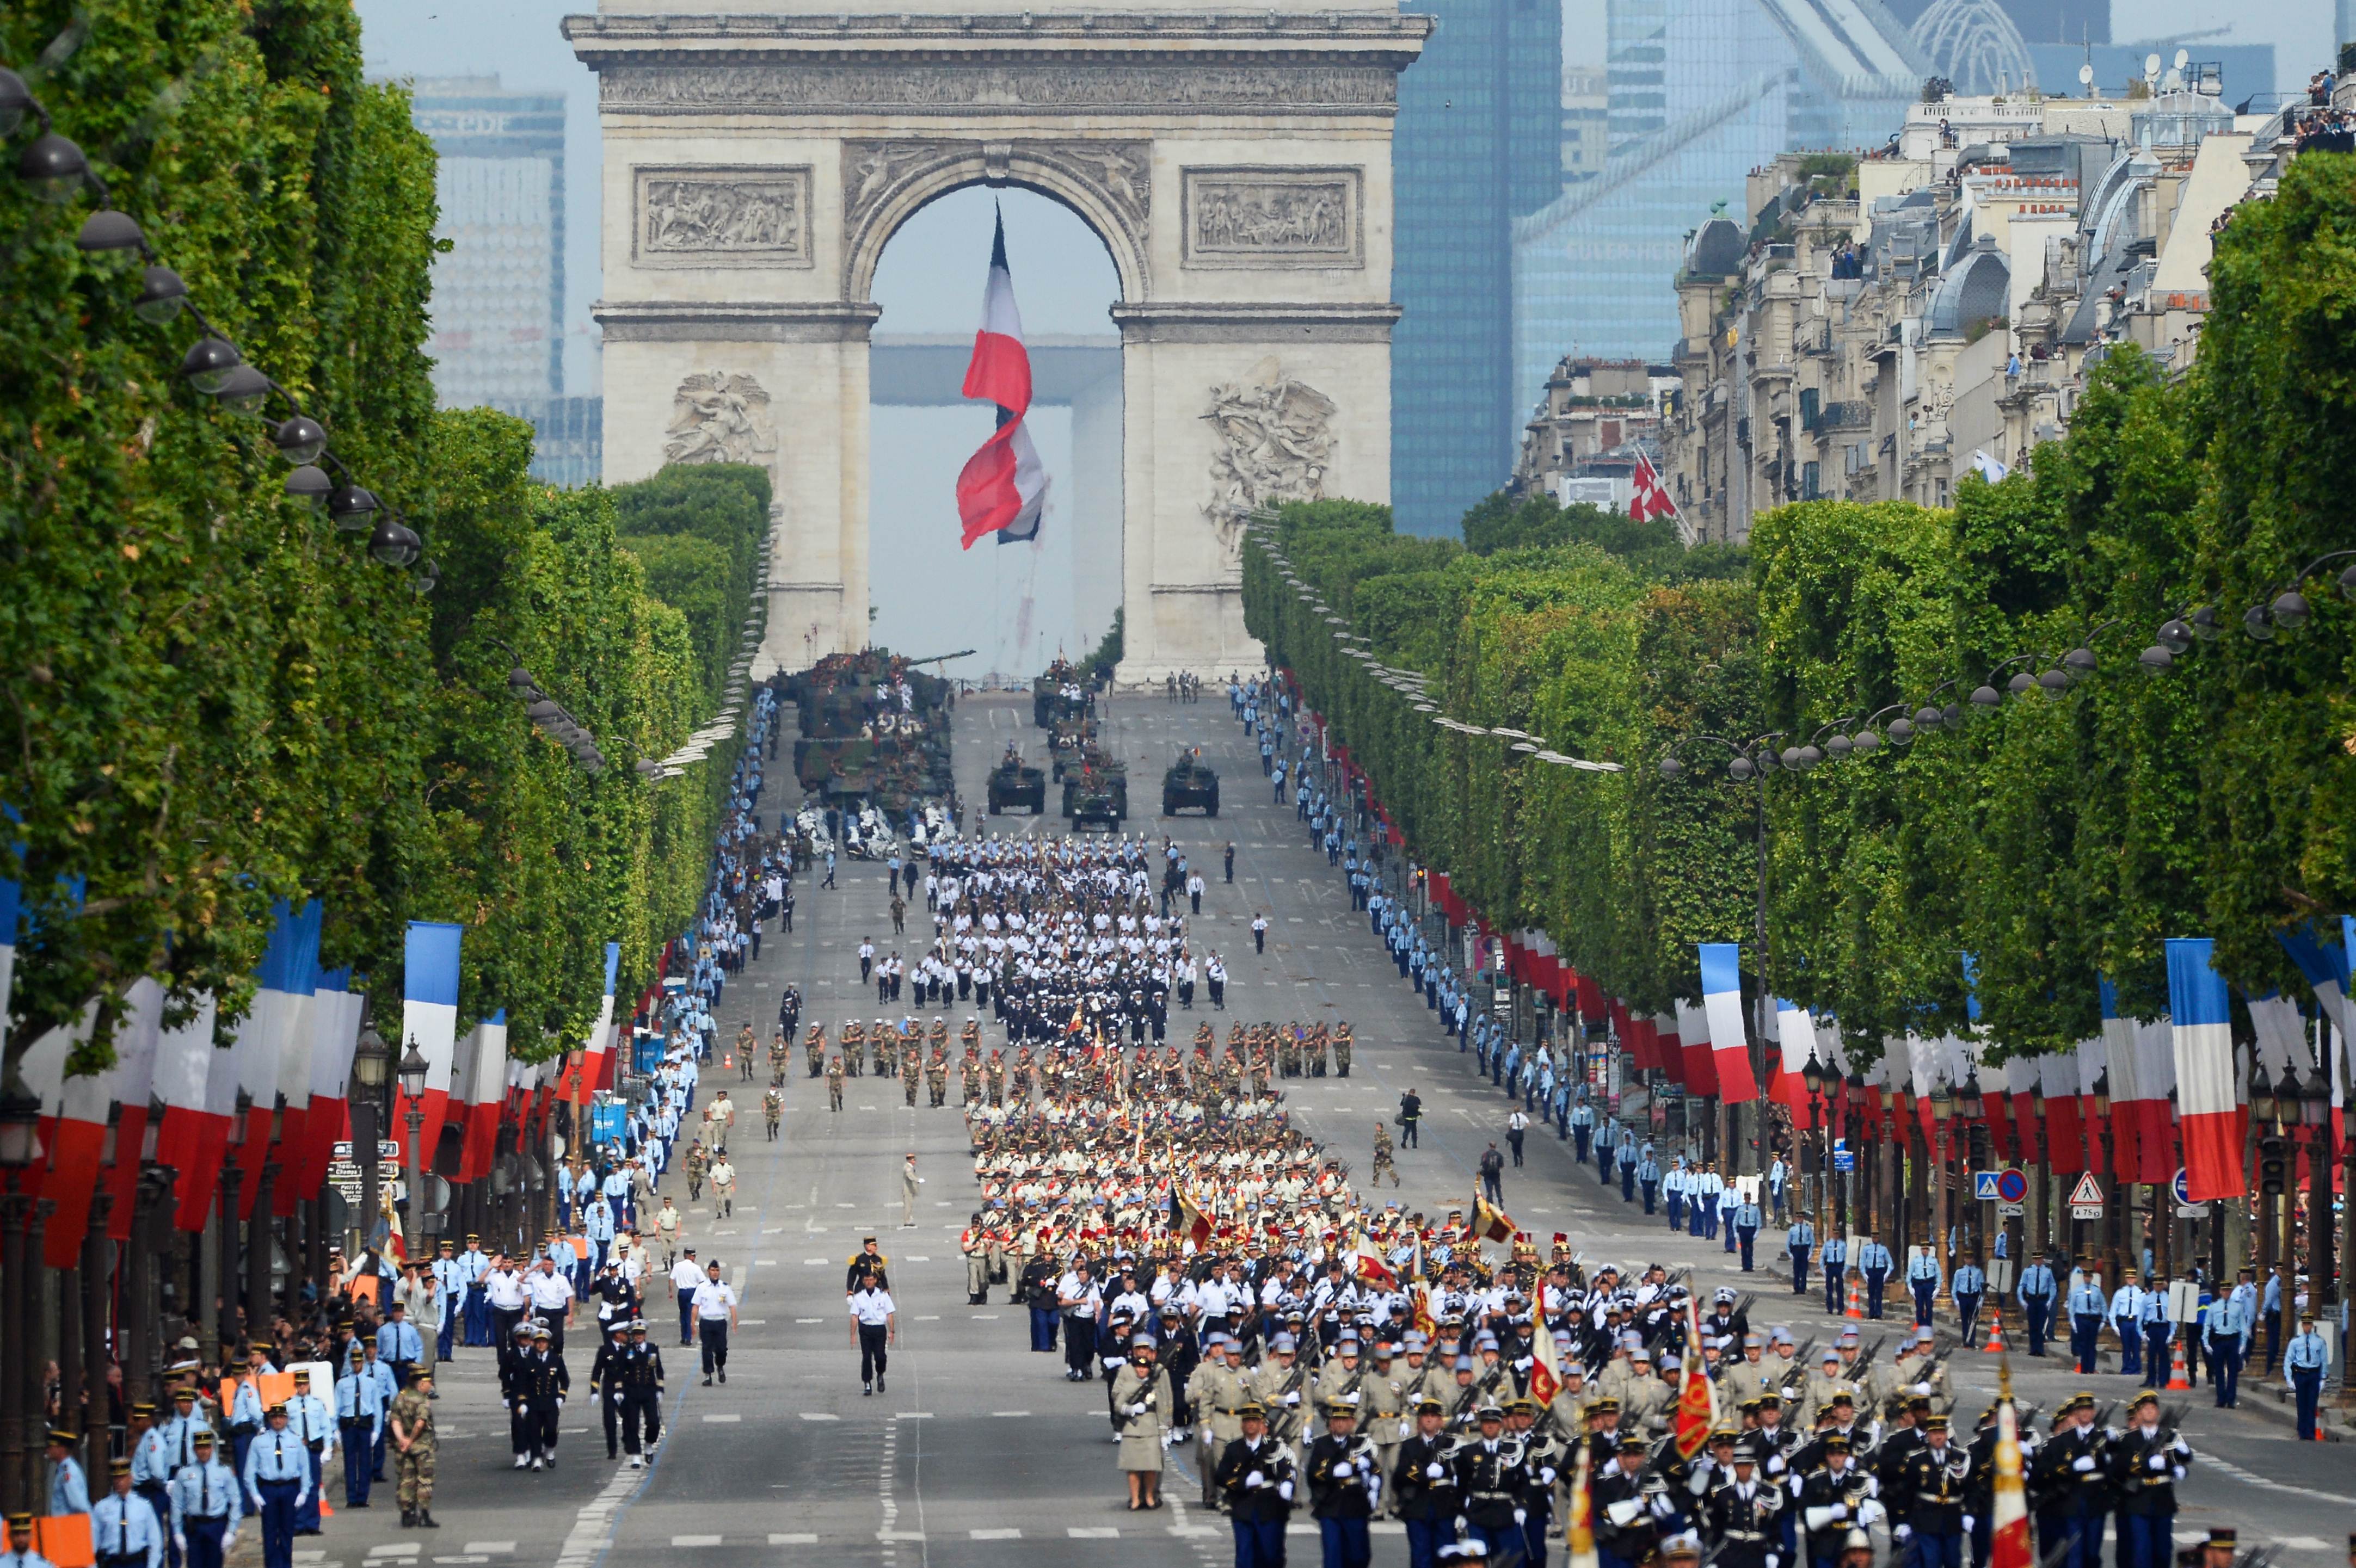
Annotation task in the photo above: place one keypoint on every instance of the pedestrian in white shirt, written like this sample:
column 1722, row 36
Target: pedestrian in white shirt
column 686, row 1274
column 715, row 1314
column 550, row 1295
column 875, row 1327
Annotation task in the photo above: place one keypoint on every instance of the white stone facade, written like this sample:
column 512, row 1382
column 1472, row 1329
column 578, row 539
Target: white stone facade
column 1235, row 165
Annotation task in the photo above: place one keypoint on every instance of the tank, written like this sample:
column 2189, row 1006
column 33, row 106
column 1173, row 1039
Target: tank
column 1097, row 780
column 1014, row 784
column 1065, row 691
column 1190, row 785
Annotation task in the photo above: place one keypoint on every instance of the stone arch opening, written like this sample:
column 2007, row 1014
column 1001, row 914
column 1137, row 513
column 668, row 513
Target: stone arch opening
column 1017, row 603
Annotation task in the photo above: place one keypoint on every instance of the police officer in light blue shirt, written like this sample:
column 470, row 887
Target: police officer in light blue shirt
column 123, row 1530
column 2152, row 1323
column 2304, row 1360
column 398, row 1344
column 68, row 1491
column 1800, row 1241
column 206, row 1503
column 450, row 1282
column 1971, row 1284
column 2126, row 1322
column 2229, row 1344
column 360, row 1416
column 277, row 1483
column 1747, row 1220
column 1873, row 1261
column 1648, row 1178
column 1582, row 1127
column 1922, row 1282
column 308, row 1418
column 1834, row 1261
column 2088, row 1302
column 2037, row 1293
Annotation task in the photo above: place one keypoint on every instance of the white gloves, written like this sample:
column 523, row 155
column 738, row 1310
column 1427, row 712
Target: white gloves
column 1546, row 1474
column 2083, row 1463
column 1254, row 1480
column 1343, row 1468
column 1284, row 1490
column 1434, row 1472
column 1903, row 1531
column 1293, row 1398
column 2158, row 1461
column 559, row 1401
column 1623, row 1512
column 1521, row 1516
column 1137, row 1410
column 1967, row 1524
column 1871, row 1512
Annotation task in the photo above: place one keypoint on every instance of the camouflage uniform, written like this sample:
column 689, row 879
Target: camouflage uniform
column 413, row 1412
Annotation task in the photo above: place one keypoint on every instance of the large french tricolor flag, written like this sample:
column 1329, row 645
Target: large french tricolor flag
column 584, row 1068
column 72, row 1131
column 1795, row 1042
column 335, row 1014
column 2207, row 1102
column 1721, row 1003
column 136, row 1041
column 2323, row 956
column 429, row 1019
column 485, row 1062
column 1002, row 487
column 281, row 1010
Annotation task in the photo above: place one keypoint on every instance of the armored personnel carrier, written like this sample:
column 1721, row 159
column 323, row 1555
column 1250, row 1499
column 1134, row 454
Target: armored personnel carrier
column 1014, row 784
column 1190, row 784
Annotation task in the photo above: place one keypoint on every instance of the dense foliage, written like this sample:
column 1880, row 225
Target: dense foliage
column 216, row 699
column 2015, row 853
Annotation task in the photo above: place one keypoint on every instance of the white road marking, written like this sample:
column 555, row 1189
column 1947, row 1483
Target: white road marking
column 403, row 1550
column 493, row 1548
column 1024, row 1414
column 1092, row 1532
column 994, row 1534
column 593, row 1526
column 727, row 1420
column 792, row 1538
column 695, row 1541
column 912, row 1415
column 819, row 1416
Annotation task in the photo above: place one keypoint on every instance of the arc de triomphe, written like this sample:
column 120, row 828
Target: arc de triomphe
column 1236, row 164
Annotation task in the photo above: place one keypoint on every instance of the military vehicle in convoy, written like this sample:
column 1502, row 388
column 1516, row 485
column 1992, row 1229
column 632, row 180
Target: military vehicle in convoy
column 1093, row 797
column 1189, row 785
column 1013, row 785
column 1068, row 742
column 1065, row 691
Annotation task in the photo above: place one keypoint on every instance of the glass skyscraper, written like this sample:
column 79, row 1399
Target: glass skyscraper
column 1478, row 145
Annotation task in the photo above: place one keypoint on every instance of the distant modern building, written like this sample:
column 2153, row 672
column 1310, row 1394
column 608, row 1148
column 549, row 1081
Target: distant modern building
column 1702, row 92
column 1586, row 119
column 498, row 294
column 1478, row 145
column 568, row 437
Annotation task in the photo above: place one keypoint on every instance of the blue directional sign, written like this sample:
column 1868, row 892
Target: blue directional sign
column 1844, row 1157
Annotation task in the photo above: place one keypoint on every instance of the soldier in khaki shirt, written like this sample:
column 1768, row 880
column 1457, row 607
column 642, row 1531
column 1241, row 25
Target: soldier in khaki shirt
column 1645, row 1406
column 1820, row 1386
column 1217, row 1388
column 1747, row 1378
column 1383, row 1415
column 1278, row 1392
column 1571, row 1401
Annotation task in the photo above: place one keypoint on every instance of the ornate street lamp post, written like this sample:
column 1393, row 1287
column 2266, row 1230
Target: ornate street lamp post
column 372, row 1059
column 413, row 1071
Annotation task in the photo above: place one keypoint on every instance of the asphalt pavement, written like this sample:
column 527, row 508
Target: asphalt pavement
column 977, row 1451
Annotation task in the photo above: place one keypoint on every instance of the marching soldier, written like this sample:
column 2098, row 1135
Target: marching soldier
column 605, row 1385
column 1346, row 1482
column 773, row 1109
column 1490, row 1479
column 1343, row 1043
column 1933, row 1482
column 642, row 1381
column 910, row 1069
column 1383, row 1165
column 1833, row 1499
column 2145, row 1463
column 834, row 1084
column 814, row 1050
column 937, row 1078
column 1255, row 1475
column 1542, row 1456
column 974, row 1243
column 1743, row 1513
column 1425, row 1484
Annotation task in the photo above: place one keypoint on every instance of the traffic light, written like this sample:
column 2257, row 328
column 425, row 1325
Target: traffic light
column 2272, row 1166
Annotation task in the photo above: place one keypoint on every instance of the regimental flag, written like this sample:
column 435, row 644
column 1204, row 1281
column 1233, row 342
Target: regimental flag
column 1002, row 487
column 1651, row 498
column 1546, row 1361
column 2009, row 1545
column 1490, row 1223
column 1696, row 1396
column 1369, row 1266
column 1579, row 1530
column 1425, row 1323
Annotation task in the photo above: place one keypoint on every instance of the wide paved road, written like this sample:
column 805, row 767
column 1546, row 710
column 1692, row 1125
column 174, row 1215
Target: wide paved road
column 978, row 1452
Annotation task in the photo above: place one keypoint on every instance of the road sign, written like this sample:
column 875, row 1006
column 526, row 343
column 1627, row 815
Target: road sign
column 2010, row 1211
column 1984, row 1187
column 2184, row 1187
column 2012, row 1186
column 2085, row 1210
column 1844, row 1157
column 2087, row 1194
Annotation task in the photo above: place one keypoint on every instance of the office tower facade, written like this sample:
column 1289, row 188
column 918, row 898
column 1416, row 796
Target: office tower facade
column 498, row 294
column 1478, row 145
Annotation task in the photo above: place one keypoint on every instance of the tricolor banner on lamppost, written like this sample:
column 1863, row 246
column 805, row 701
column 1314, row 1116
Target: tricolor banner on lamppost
column 2211, row 1119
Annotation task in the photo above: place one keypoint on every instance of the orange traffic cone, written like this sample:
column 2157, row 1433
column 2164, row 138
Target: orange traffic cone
column 2179, row 1376
column 1995, row 1346
column 1856, row 1296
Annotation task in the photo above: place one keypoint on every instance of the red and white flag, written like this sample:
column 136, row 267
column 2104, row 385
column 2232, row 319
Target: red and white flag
column 1002, row 488
column 1651, row 498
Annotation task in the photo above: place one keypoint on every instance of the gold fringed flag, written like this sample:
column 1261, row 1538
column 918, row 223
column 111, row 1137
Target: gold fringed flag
column 2009, row 1543
column 1578, row 1533
column 1546, row 1363
column 1696, row 1397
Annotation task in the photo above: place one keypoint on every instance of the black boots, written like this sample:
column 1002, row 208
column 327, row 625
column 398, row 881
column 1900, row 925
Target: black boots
column 426, row 1520
column 408, row 1518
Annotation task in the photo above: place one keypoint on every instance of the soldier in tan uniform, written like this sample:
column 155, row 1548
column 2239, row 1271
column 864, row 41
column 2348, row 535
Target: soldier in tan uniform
column 1280, row 1391
column 1383, row 1408
column 1218, row 1389
column 1747, row 1378
column 1645, row 1406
